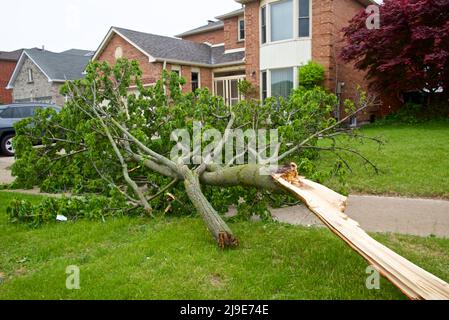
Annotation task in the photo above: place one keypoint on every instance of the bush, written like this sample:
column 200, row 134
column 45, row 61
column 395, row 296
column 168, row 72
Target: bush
column 311, row 75
column 91, row 208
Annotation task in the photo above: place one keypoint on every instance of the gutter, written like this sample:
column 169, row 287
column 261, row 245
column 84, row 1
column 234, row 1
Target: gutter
column 205, row 65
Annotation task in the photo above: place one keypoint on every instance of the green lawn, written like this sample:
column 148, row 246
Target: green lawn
column 175, row 258
column 413, row 162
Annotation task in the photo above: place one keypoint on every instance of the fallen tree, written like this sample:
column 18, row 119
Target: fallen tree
column 159, row 150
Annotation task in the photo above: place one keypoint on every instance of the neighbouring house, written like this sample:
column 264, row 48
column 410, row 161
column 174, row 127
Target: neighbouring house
column 264, row 42
column 8, row 62
column 39, row 74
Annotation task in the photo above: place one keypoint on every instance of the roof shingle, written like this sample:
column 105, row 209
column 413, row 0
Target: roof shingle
column 167, row 48
column 59, row 66
column 11, row 56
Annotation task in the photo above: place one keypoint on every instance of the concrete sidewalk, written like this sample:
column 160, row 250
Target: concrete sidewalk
column 5, row 174
column 420, row 217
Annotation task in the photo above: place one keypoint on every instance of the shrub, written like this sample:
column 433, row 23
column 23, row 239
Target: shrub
column 311, row 75
column 91, row 208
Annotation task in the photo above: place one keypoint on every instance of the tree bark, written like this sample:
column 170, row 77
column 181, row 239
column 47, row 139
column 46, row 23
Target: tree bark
column 250, row 175
column 215, row 224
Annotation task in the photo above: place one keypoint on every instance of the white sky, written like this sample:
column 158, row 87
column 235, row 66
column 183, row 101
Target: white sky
column 64, row 24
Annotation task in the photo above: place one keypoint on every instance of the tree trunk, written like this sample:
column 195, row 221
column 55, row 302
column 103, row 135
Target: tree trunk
column 215, row 224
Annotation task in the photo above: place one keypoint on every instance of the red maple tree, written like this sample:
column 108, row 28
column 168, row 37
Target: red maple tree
column 410, row 50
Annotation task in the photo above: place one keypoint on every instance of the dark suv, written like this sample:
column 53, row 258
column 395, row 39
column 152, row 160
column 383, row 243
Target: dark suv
column 12, row 113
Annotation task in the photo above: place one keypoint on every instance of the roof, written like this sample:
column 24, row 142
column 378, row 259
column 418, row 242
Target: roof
column 57, row 67
column 11, row 56
column 235, row 13
column 173, row 50
column 210, row 26
column 213, row 25
column 80, row 52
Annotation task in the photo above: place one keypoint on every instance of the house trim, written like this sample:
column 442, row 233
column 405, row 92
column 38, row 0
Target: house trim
column 235, row 50
column 204, row 65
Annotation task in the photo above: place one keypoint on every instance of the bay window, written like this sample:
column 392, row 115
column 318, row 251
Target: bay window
column 304, row 18
column 282, row 20
column 282, row 82
column 264, row 86
column 264, row 25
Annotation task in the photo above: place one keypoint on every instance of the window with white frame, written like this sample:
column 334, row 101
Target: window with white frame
column 264, row 86
column 30, row 75
column 241, row 36
column 281, row 20
column 195, row 79
column 282, row 82
column 177, row 70
column 263, row 24
column 304, row 18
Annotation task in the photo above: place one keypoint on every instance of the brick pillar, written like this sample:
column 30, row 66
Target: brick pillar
column 323, row 40
column 252, row 43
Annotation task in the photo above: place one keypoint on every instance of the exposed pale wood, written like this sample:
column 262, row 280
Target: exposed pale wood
column 329, row 207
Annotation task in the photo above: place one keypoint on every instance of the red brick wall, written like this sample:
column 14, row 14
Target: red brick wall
column 151, row 72
column 322, row 38
column 329, row 18
column 231, row 35
column 212, row 37
column 252, row 43
column 6, row 70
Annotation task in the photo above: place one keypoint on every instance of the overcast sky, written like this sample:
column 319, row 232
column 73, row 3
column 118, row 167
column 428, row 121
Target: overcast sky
column 64, row 24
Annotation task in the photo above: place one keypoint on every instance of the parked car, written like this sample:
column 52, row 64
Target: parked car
column 12, row 113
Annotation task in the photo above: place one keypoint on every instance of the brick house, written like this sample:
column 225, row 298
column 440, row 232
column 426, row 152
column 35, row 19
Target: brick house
column 264, row 42
column 39, row 74
column 8, row 62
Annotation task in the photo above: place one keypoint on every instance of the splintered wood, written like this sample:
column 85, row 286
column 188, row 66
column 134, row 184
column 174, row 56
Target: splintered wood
column 329, row 207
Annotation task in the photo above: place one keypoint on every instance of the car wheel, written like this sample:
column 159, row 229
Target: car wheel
column 6, row 145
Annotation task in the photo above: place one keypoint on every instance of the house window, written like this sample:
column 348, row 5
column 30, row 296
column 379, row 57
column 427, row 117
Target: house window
column 177, row 70
column 195, row 81
column 30, row 76
column 282, row 82
column 264, row 86
column 282, row 20
column 241, row 29
column 304, row 18
column 118, row 53
column 264, row 25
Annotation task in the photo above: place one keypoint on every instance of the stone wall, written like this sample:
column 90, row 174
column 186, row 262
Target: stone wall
column 39, row 90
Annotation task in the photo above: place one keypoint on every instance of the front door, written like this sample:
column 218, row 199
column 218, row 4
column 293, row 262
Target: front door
column 228, row 89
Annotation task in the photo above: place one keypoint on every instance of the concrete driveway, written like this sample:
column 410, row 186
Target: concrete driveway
column 5, row 173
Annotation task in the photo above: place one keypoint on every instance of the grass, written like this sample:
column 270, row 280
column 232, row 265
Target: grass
column 175, row 258
column 413, row 162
